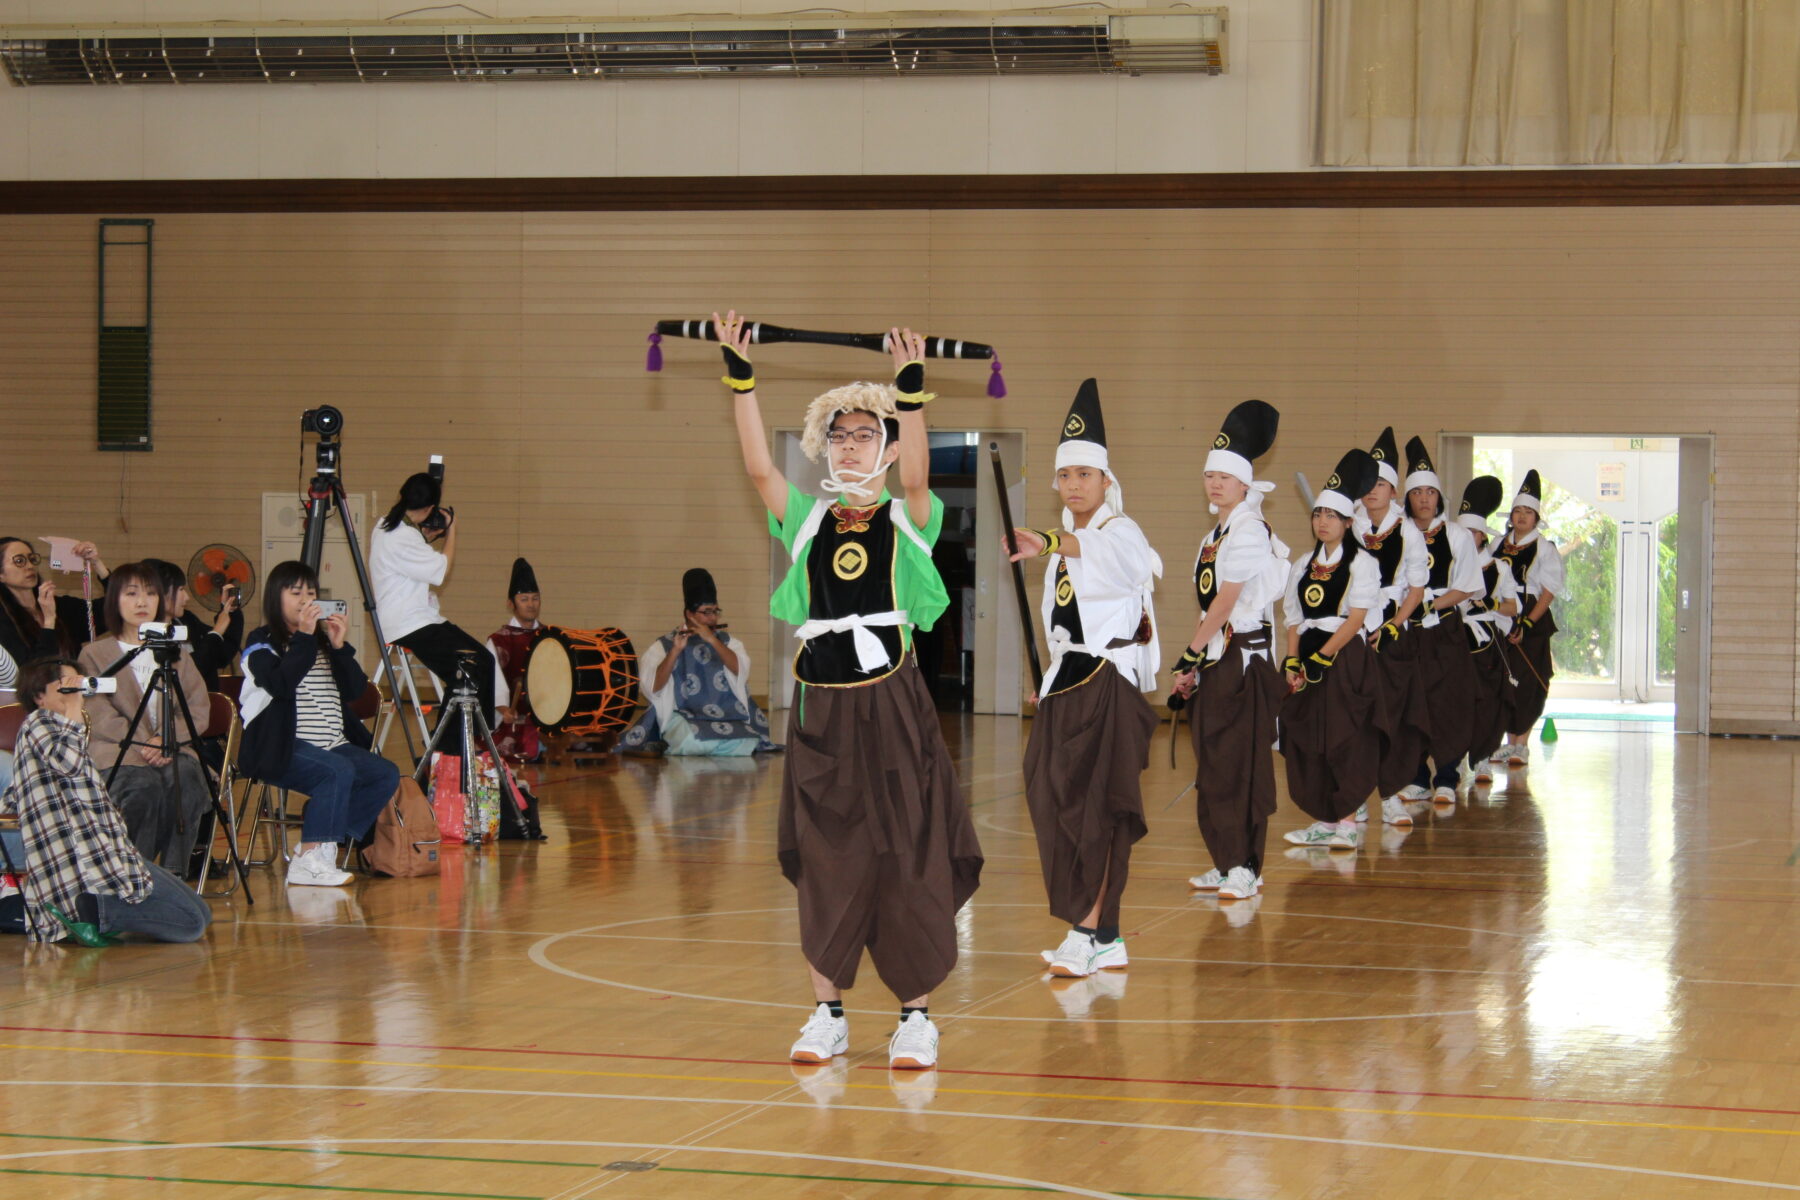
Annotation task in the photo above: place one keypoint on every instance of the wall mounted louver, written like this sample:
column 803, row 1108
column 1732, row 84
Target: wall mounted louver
column 773, row 46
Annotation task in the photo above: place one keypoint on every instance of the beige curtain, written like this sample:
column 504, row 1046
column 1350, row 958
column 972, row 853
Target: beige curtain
column 1545, row 82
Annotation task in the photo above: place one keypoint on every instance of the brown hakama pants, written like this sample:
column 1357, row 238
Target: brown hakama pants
column 1233, row 726
column 1088, row 746
column 1446, row 677
column 874, row 833
column 1330, row 735
column 1532, row 654
column 1493, row 702
column 1406, row 725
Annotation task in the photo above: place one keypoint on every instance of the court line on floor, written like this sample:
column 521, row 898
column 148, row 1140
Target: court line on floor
column 542, row 1162
column 1020, row 1118
column 666, row 1077
column 989, row 1176
column 264, row 1183
column 782, row 1062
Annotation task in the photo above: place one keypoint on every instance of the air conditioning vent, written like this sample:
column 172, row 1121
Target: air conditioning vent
column 1030, row 42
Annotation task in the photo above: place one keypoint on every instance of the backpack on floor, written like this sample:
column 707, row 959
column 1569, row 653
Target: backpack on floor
column 405, row 840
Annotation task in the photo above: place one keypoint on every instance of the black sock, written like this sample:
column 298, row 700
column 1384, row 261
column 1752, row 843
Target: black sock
column 1106, row 935
column 836, row 1006
column 906, row 1012
column 1084, row 929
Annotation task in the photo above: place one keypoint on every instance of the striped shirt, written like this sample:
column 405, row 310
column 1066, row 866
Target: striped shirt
column 318, row 709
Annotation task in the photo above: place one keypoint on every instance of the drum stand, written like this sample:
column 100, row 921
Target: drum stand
column 465, row 702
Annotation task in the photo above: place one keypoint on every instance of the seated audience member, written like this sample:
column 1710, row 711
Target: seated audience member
column 696, row 677
column 9, row 675
column 83, row 876
column 300, row 728
column 517, row 734
column 215, row 643
column 34, row 620
column 161, row 788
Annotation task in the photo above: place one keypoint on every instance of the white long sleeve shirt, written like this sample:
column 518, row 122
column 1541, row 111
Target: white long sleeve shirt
column 1113, row 577
column 403, row 569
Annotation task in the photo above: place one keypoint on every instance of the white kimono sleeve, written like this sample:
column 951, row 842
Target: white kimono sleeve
column 1546, row 574
column 1365, row 586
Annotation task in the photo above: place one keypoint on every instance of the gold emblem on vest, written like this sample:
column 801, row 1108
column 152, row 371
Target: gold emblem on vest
column 1065, row 592
column 1206, row 579
column 850, row 561
column 1075, row 426
column 1315, row 595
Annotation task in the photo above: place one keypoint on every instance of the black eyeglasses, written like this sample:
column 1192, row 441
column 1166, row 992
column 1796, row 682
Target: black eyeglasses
column 862, row 437
column 711, row 610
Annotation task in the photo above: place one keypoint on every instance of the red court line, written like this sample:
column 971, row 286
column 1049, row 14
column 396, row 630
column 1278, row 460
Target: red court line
column 757, row 1062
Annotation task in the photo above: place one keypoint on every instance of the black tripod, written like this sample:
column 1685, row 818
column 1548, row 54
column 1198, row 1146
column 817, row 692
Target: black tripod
column 465, row 703
column 325, row 492
column 165, row 686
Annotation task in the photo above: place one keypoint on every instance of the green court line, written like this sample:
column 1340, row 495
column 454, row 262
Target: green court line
column 263, row 1183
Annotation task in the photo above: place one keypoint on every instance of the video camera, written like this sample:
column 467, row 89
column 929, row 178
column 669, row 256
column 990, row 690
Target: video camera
column 91, row 685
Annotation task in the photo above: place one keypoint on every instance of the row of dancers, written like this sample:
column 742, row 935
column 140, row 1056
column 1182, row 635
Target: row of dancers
column 1413, row 640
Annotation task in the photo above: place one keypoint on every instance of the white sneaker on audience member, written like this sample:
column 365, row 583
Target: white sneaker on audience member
column 822, row 1038
column 914, row 1045
column 316, row 868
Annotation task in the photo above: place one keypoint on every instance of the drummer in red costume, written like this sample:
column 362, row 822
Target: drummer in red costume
column 517, row 735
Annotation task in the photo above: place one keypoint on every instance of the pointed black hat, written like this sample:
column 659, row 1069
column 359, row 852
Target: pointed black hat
column 1531, row 493
column 524, row 579
column 1085, row 422
column 1354, row 475
column 1418, row 459
column 1482, row 496
column 1244, row 436
column 698, row 589
column 1387, row 456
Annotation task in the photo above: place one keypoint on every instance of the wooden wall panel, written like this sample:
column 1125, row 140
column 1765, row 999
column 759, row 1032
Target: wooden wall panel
column 513, row 343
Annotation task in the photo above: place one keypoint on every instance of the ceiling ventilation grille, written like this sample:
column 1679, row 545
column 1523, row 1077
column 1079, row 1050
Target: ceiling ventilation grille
column 1019, row 42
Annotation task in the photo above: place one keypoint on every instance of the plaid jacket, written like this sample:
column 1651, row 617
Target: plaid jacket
column 75, row 839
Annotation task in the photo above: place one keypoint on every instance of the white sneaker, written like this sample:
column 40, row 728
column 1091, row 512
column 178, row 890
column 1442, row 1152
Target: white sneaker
column 1518, row 754
column 1208, row 882
column 1345, row 839
column 1362, row 813
column 1484, row 771
column 1413, row 791
column 1111, row 956
column 914, row 1045
column 1074, row 959
column 1444, row 795
column 316, row 868
column 822, row 1038
column 1240, row 884
column 1393, row 812
column 1316, row 834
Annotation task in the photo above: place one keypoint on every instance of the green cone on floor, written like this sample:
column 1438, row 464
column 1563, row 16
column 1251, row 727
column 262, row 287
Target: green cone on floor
column 1548, row 734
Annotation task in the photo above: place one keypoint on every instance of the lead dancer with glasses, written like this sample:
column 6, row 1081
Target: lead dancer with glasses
column 873, row 831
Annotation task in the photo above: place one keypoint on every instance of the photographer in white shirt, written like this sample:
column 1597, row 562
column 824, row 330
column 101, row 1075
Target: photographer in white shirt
column 403, row 568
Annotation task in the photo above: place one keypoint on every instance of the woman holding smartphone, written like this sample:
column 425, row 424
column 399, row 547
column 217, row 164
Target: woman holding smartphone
column 300, row 730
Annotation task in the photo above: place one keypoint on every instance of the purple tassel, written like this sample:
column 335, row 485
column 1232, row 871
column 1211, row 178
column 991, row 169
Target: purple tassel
column 653, row 360
column 996, row 381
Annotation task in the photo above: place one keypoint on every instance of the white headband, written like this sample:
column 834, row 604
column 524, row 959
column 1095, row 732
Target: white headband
column 1476, row 523
column 1231, row 463
column 1387, row 472
column 1079, row 453
column 1420, row 479
column 1337, row 502
column 1527, row 500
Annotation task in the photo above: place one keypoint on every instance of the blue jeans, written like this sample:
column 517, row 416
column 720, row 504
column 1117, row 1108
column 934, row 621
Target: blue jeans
column 346, row 790
column 172, row 912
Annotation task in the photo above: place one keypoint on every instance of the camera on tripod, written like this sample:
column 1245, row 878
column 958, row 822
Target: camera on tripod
column 163, row 639
column 327, row 422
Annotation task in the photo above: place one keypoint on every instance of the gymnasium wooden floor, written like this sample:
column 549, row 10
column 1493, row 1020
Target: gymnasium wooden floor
column 1587, row 989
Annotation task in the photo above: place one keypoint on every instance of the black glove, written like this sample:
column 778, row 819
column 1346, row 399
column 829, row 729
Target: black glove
column 1387, row 635
column 1190, row 660
column 1525, row 623
column 1291, row 665
column 1317, row 663
column 909, row 381
column 740, row 376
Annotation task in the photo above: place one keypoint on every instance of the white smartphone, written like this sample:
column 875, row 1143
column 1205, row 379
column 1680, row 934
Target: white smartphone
column 334, row 608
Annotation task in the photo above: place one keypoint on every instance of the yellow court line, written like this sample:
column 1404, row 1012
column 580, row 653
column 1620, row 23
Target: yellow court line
column 664, row 1077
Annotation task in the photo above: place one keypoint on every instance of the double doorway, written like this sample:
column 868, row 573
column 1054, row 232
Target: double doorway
column 1631, row 516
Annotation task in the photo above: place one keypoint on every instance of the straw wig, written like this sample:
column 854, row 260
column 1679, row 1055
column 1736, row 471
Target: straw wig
column 876, row 399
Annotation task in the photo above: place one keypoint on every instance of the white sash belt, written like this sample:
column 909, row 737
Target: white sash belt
column 871, row 655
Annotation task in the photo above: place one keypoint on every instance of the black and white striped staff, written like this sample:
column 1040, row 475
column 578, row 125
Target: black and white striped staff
column 761, row 334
